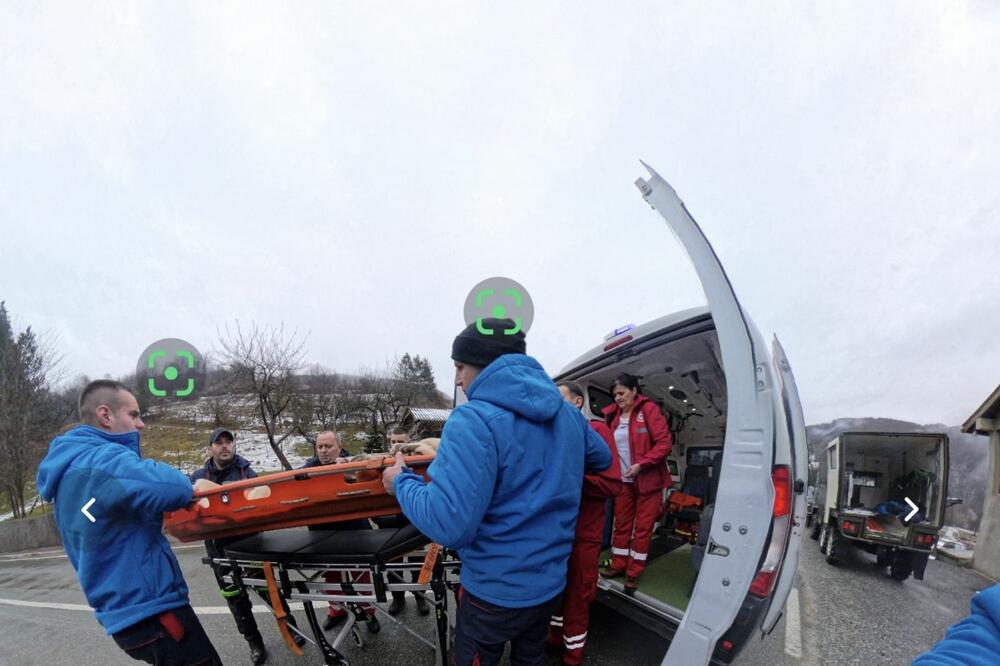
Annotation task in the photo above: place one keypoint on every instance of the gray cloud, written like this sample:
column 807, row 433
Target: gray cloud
column 353, row 171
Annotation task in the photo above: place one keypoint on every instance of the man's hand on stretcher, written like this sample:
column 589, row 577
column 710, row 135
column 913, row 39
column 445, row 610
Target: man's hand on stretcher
column 390, row 473
column 204, row 484
column 257, row 492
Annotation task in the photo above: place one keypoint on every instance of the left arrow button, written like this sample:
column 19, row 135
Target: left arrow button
column 87, row 506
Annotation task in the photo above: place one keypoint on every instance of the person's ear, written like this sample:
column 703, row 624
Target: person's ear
column 104, row 415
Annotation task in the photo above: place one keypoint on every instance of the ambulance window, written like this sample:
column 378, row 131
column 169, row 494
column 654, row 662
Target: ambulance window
column 703, row 456
column 599, row 399
column 832, row 453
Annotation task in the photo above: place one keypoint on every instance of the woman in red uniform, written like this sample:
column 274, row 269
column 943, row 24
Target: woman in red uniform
column 642, row 438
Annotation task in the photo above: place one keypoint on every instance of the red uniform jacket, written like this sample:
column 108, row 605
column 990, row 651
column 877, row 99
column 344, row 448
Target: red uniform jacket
column 648, row 441
column 597, row 488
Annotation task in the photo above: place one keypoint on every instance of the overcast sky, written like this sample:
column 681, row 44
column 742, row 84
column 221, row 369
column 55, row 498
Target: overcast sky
column 354, row 169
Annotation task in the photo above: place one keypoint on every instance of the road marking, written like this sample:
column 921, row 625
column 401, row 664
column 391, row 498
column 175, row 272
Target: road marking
column 793, row 626
column 63, row 555
column 200, row 610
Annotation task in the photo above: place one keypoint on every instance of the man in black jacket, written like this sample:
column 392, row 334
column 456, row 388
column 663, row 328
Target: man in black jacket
column 329, row 452
column 225, row 466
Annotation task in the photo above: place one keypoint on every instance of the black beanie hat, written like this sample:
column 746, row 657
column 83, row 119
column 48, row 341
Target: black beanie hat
column 476, row 348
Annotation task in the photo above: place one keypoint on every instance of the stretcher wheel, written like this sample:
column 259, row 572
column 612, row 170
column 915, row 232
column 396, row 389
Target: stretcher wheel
column 356, row 637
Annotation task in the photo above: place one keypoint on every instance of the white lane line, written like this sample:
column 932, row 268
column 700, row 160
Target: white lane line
column 793, row 626
column 39, row 604
column 200, row 610
column 63, row 555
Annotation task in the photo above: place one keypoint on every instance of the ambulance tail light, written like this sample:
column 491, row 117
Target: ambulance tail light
column 781, row 523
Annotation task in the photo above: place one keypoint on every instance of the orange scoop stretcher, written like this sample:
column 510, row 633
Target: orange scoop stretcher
column 309, row 496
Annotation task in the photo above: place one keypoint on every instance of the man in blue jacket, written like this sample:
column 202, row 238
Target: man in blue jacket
column 505, row 493
column 975, row 641
column 109, row 506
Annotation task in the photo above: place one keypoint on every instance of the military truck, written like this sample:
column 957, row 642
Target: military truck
column 885, row 493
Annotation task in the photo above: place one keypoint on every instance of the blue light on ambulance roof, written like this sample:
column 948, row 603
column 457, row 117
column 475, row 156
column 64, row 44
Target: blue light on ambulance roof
column 619, row 331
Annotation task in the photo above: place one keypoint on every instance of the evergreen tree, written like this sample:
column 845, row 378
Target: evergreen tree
column 29, row 413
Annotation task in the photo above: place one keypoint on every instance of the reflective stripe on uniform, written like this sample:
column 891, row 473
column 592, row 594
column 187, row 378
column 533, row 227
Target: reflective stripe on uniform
column 638, row 556
column 575, row 642
column 620, row 551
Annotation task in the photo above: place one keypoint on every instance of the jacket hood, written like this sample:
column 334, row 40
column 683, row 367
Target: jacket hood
column 69, row 446
column 518, row 383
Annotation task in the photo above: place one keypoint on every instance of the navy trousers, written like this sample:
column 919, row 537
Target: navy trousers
column 172, row 638
column 482, row 630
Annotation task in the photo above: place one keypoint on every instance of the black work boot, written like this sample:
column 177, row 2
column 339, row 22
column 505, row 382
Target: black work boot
column 422, row 606
column 258, row 653
column 398, row 602
column 372, row 624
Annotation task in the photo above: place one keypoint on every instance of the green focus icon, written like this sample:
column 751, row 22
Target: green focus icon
column 171, row 368
column 500, row 298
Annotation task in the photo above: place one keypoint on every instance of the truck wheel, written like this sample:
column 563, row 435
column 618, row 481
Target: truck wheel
column 899, row 573
column 901, row 567
column 833, row 544
column 883, row 558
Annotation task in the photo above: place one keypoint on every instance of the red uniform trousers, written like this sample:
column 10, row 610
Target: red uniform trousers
column 635, row 514
column 569, row 628
column 337, row 609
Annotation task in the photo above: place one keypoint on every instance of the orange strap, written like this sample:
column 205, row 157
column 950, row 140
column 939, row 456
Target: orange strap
column 279, row 610
column 433, row 551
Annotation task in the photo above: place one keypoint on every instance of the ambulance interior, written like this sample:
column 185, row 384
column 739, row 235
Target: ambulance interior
column 685, row 378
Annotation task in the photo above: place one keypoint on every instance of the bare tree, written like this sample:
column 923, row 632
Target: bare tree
column 263, row 362
column 327, row 402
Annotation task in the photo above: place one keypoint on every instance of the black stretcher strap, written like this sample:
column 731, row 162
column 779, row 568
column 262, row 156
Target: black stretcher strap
column 321, row 546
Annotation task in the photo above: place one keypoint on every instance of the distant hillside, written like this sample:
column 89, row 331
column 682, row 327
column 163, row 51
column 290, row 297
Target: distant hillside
column 968, row 455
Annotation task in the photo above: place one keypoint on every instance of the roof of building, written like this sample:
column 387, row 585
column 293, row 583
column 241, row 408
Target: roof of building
column 429, row 414
column 988, row 411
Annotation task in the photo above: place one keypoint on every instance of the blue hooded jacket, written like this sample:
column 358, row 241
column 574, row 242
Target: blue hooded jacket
column 506, row 483
column 975, row 641
column 125, row 565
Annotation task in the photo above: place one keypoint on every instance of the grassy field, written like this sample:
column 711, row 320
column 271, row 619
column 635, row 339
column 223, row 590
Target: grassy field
column 175, row 444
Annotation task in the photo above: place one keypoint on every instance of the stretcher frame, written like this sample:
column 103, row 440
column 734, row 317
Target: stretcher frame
column 280, row 582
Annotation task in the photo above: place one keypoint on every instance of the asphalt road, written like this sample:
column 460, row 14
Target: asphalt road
column 849, row 614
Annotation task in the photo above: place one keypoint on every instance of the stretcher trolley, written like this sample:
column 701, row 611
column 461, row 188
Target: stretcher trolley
column 289, row 566
column 285, row 566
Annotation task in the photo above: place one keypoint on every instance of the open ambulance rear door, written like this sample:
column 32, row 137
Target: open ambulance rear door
column 760, row 504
